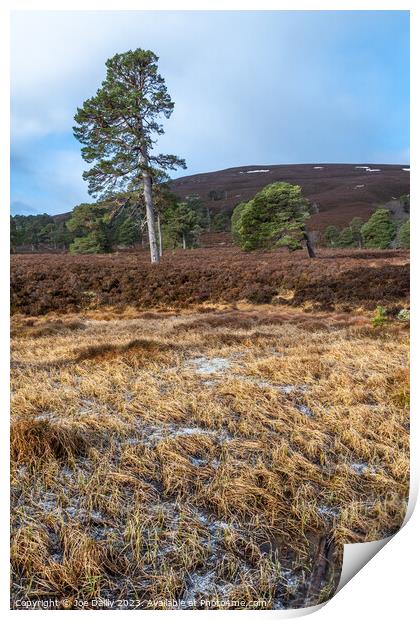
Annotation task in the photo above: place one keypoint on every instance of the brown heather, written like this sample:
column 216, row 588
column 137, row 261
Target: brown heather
column 223, row 452
column 337, row 279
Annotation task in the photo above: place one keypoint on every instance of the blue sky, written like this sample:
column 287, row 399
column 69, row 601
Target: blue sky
column 249, row 88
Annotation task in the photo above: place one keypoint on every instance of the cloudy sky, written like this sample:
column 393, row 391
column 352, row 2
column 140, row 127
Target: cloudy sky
column 249, row 88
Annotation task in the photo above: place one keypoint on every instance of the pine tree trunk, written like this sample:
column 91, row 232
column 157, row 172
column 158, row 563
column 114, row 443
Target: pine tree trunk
column 160, row 236
column 309, row 246
column 150, row 215
column 150, row 211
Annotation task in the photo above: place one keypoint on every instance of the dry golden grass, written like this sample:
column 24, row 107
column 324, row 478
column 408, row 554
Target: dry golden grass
column 220, row 457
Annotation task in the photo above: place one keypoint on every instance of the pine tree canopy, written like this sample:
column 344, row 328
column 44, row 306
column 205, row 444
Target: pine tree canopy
column 276, row 216
column 379, row 231
column 121, row 123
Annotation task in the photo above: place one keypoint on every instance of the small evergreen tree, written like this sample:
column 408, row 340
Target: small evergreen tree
column 276, row 216
column 235, row 222
column 379, row 231
column 405, row 202
column 220, row 222
column 346, row 239
column 14, row 235
column 331, row 235
column 203, row 215
column 88, row 223
column 182, row 225
column 89, row 244
column 356, row 227
column 127, row 233
column 403, row 236
column 86, row 218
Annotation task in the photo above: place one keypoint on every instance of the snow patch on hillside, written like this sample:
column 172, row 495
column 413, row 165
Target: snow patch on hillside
column 253, row 171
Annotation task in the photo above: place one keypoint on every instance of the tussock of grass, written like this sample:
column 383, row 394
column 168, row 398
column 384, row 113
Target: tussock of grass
column 33, row 440
column 108, row 351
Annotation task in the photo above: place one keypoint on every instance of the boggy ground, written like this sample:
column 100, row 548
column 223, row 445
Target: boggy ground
column 217, row 457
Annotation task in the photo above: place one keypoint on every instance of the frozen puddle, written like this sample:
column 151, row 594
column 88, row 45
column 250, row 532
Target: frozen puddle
column 285, row 388
column 152, row 435
column 305, row 410
column 203, row 589
column 208, row 366
column 197, row 462
column 328, row 512
column 362, row 468
column 47, row 416
column 211, row 382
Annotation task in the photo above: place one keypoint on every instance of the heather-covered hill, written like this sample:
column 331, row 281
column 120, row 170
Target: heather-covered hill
column 340, row 191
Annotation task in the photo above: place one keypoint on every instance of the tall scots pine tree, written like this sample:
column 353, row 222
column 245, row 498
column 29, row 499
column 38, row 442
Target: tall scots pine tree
column 119, row 127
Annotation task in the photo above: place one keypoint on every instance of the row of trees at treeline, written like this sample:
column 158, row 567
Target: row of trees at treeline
column 380, row 231
column 115, row 224
column 275, row 217
column 35, row 231
column 102, row 227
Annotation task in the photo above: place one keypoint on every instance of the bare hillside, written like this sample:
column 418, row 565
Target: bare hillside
column 341, row 191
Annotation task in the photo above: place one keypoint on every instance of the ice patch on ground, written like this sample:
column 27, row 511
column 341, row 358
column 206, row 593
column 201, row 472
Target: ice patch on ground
column 47, row 416
column 318, row 167
column 290, row 580
column 285, row 388
column 208, row 366
column 253, row 171
column 151, row 435
column 327, row 511
column 362, row 468
column 211, row 382
column 49, row 502
column 198, row 462
column 305, row 410
column 133, row 441
column 406, row 169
